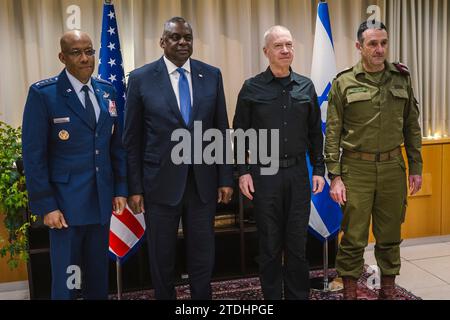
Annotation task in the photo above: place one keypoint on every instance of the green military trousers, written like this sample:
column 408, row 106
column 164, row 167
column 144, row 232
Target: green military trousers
column 375, row 190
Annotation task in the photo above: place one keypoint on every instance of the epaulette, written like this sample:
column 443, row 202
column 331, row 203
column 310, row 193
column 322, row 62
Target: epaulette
column 46, row 82
column 343, row 71
column 402, row 68
column 103, row 81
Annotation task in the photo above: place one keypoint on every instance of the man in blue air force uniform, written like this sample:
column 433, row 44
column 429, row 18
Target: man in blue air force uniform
column 75, row 168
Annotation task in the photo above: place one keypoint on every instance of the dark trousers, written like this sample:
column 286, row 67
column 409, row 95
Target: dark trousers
column 198, row 231
column 282, row 205
column 83, row 248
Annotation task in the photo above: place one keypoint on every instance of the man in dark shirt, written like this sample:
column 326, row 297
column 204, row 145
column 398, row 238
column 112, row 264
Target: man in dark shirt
column 279, row 99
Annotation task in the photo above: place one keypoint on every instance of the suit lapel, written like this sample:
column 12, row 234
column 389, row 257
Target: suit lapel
column 72, row 100
column 162, row 78
column 197, row 88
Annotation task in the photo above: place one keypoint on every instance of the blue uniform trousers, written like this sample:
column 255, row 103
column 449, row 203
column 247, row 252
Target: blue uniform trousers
column 84, row 249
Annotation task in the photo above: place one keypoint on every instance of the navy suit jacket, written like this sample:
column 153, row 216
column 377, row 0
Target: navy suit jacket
column 152, row 114
column 69, row 164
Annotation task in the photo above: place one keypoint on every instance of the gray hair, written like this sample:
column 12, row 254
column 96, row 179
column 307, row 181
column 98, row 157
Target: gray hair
column 272, row 30
column 168, row 23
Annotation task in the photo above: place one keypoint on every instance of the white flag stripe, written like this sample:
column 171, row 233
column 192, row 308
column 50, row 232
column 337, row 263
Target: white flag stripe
column 316, row 223
column 122, row 232
column 323, row 69
column 140, row 218
column 323, row 111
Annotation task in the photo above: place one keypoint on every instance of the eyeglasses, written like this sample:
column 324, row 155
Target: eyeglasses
column 78, row 53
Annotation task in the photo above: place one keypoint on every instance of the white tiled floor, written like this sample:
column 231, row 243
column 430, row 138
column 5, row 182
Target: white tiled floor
column 425, row 270
column 425, row 267
column 14, row 291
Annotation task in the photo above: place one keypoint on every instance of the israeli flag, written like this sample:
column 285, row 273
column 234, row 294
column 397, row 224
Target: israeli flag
column 326, row 215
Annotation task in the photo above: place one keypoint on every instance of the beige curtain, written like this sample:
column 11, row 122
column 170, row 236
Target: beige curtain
column 420, row 38
column 228, row 34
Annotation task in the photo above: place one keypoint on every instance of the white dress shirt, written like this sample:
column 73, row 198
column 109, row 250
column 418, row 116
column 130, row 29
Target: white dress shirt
column 174, row 76
column 77, row 86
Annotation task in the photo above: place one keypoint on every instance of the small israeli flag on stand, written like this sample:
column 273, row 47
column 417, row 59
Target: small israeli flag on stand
column 326, row 215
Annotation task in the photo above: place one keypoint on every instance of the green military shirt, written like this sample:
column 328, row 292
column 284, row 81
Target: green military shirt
column 366, row 115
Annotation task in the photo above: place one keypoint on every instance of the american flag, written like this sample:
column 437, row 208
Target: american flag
column 110, row 64
column 127, row 229
column 125, row 232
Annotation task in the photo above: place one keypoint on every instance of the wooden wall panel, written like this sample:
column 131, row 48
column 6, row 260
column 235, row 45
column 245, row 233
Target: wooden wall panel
column 446, row 189
column 423, row 216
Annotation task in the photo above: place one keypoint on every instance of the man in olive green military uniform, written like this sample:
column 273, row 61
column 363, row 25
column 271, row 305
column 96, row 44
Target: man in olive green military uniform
column 371, row 112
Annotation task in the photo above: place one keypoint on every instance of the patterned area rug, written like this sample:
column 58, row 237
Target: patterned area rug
column 250, row 289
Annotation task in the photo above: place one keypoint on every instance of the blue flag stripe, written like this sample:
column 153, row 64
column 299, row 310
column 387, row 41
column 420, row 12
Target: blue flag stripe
column 324, row 17
column 324, row 97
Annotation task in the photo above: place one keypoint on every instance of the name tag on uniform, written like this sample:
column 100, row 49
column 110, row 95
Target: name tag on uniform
column 355, row 90
column 112, row 108
column 61, row 120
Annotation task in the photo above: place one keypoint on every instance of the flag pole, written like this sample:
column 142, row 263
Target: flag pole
column 325, row 266
column 322, row 284
column 119, row 278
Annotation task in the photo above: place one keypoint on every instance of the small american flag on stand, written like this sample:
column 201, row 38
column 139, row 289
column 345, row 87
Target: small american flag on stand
column 125, row 232
column 127, row 229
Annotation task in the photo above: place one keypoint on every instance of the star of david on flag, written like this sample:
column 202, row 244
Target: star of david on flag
column 326, row 215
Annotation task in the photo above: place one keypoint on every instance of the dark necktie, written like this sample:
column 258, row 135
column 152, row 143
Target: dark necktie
column 89, row 106
column 185, row 96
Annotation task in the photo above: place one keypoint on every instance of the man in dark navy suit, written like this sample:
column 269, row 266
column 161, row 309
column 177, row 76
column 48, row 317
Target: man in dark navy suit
column 75, row 168
column 169, row 94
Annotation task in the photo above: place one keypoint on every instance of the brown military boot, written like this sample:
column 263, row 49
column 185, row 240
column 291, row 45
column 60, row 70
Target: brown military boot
column 350, row 285
column 387, row 289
